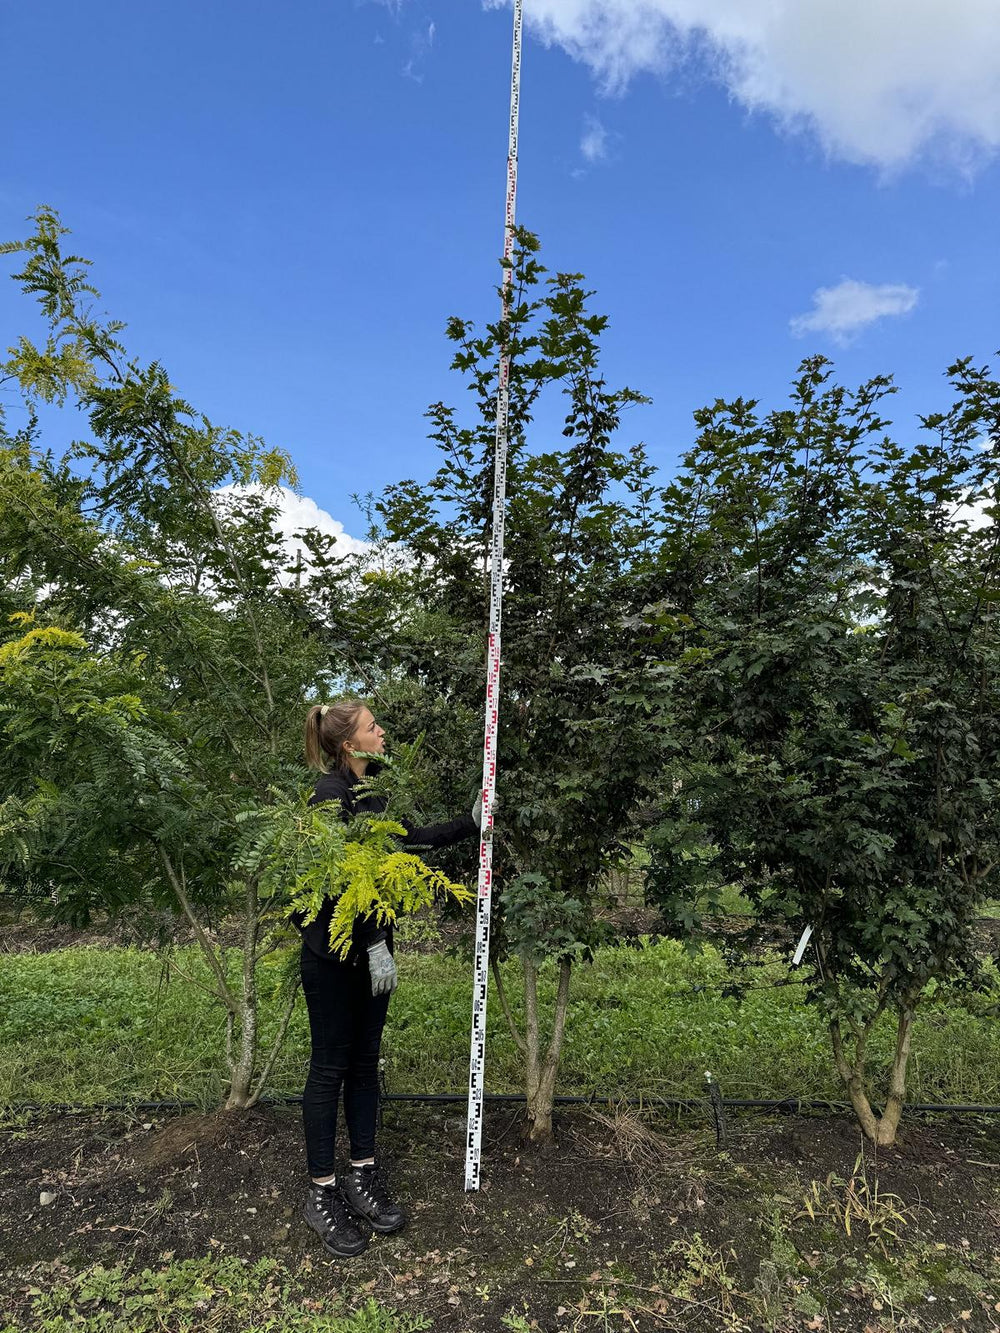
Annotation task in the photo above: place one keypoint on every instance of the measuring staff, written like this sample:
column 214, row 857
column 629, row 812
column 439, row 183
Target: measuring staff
column 480, row 980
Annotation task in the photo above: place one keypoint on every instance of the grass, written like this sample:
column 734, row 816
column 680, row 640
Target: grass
column 88, row 1025
column 226, row 1295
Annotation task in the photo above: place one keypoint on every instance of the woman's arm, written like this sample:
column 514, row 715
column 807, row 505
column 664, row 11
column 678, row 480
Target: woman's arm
column 440, row 835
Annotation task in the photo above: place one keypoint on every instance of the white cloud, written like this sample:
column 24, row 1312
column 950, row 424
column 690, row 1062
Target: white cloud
column 879, row 82
column 299, row 511
column 421, row 45
column 851, row 305
column 594, row 140
column 973, row 516
column 296, row 513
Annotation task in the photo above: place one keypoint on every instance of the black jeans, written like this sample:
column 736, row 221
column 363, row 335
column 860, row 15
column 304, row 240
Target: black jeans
column 345, row 1024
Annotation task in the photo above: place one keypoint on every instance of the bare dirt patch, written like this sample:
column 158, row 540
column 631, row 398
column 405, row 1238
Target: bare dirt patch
column 631, row 1223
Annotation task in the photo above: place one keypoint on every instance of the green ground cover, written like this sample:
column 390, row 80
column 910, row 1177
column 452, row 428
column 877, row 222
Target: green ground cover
column 221, row 1294
column 87, row 1025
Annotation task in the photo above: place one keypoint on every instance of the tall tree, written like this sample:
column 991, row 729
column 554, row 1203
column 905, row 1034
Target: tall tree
column 831, row 599
column 575, row 747
column 158, row 657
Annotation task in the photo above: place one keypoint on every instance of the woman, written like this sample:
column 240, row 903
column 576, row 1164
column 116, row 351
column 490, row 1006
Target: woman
column 347, row 998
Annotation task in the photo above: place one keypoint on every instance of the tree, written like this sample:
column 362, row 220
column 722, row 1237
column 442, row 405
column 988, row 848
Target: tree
column 836, row 713
column 572, row 762
column 156, row 665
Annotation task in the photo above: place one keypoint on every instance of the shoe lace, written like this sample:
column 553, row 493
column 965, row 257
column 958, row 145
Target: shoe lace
column 374, row 1187
column 330, row 1203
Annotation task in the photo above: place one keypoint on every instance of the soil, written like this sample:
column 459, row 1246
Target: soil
column 633, row 1221
column 23, row 933
column 628, row 1223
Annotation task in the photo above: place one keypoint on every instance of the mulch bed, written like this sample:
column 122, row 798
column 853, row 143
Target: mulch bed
column 607, row 1220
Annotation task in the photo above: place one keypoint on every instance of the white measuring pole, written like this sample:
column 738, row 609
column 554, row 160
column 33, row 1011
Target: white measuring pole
column 477, row 1051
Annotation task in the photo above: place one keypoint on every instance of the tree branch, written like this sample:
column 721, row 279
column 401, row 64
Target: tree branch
column 559, row 1023
column 519, row 1041
column 206, row 944
column 276, row 1046
column 193, row 981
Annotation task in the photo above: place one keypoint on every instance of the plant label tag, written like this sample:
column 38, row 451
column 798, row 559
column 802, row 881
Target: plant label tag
column 800, row 948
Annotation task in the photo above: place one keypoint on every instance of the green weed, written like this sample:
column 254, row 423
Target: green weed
column 516, row 1322
column 858, row 1203
column 226, row 1295
column 89, row 1025
column 705, row 1280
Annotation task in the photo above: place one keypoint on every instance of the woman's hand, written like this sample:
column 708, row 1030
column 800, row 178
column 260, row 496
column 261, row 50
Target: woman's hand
column 477, row 809
column 382, row 968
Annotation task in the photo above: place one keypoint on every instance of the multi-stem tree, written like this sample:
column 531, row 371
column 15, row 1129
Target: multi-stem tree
column 158, row 657
column 831, row 600
column 573, row 760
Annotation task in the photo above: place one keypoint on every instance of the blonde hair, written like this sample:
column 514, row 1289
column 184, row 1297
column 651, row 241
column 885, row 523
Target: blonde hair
column 327, row 727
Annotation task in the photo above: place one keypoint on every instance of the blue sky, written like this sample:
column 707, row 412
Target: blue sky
column 286, row 202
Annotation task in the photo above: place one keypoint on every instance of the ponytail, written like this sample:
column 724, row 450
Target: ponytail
column 327, row 727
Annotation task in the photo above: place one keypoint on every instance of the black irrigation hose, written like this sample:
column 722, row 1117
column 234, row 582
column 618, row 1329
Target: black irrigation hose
column 786, row 1105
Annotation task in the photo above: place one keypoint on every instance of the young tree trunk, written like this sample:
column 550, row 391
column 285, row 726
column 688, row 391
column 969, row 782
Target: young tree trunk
column 242, row 1009
column 241, row 1086
column 541, row 1070
column 880, row 1130
column 531, row 1057
column 897, row 1079
column 620, row 885
column 852, row 1072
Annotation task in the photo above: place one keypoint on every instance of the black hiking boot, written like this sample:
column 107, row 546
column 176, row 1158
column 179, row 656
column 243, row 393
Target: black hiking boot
column 367, row 1196
column 328, row 1215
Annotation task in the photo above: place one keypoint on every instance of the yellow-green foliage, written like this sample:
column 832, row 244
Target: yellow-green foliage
column 305, row 855
column 375, row 880
column 48, row 636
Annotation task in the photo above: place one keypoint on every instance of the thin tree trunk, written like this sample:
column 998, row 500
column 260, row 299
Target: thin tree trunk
column 531, row 1060
column 897, row 1081
column 240, row 1089
column 880, row 1130
column 542, row 1071
column 279, row 1041
column 230, row 1029
column 239, row 1098
column 242, row 1010
column 853, row 1074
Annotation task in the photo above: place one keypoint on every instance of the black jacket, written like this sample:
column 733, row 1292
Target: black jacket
column 339, row 785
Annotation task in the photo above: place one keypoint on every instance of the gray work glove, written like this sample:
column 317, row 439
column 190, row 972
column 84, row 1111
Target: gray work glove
column 382, row 968
column 477, row 809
